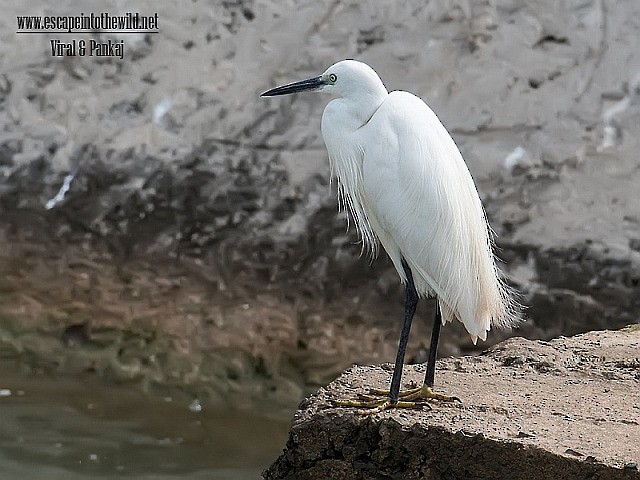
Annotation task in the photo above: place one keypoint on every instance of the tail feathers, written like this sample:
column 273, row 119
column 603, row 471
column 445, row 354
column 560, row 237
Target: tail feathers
column 476, row 329
column 446, row 312
column 490, row 302
column 503, row 311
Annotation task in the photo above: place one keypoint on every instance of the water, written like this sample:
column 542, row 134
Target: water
column 72, row 429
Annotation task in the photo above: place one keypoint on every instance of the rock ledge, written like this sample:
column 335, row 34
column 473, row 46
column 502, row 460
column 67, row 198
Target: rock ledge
column 565, row 409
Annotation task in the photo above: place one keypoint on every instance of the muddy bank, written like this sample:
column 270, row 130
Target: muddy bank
column 196, row 244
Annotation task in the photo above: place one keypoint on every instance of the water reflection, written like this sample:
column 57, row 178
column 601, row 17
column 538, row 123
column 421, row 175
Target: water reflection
column 71, row 429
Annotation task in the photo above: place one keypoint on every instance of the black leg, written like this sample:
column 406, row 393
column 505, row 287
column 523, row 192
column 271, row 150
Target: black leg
column 433, row 348
column 410, row 304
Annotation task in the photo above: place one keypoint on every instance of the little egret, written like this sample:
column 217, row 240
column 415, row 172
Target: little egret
column 407, row 187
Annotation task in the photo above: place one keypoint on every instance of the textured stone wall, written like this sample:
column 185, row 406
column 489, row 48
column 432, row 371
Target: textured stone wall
column 199, row 243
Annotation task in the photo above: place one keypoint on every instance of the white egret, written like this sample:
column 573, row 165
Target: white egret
column 407, row 187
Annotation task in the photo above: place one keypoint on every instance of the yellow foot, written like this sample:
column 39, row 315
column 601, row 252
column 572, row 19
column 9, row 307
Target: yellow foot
column 369, row 404
column 412, row 398
column 419, row 393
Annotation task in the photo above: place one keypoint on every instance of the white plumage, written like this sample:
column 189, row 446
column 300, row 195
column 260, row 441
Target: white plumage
column 405, row 182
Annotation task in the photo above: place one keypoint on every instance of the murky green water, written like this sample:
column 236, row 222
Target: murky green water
column 77, row 429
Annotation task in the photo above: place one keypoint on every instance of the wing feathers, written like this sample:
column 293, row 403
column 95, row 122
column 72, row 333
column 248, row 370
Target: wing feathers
column 405, row 183
column 421, row 193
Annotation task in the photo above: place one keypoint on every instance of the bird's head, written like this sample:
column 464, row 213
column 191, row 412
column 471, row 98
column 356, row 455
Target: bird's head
column 344, row 79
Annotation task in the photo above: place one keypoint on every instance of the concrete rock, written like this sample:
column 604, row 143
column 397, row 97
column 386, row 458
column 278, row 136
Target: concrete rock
column 531, row 410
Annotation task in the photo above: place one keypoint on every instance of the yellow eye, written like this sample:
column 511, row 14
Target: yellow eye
column 333, row 77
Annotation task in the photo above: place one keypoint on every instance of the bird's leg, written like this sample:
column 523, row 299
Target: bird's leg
column 433, row 347
column 410, row 305
column 425, row 392
column 379, row 400
column 373, row 403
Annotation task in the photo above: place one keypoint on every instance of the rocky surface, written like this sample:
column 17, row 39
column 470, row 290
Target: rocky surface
column 162, row 224
column 564, row 409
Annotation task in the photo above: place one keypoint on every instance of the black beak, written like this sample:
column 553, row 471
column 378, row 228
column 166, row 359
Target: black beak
column 310, row 84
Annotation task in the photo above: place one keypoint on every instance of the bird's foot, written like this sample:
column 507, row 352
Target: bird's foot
column 379, row 400
column 369, row 404
column 418, row 393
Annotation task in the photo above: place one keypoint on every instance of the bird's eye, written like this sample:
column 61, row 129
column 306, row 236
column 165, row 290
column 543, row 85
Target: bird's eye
column 333, row 77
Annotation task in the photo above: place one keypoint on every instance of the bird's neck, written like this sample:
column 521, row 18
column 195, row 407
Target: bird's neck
column 346, row 115
column 341, row 123
column 362, row 105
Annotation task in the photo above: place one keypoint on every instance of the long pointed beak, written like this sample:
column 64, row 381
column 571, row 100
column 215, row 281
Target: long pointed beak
column 310, row 84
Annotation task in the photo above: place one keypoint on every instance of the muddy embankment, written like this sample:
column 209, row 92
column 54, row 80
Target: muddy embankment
column 163, row 225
